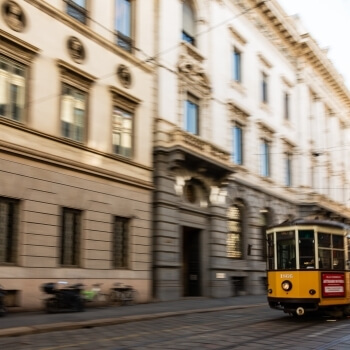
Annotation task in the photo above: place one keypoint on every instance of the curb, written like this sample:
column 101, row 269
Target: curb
column 64, row 326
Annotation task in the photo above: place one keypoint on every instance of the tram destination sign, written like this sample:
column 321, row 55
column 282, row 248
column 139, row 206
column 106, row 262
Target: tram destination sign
column 333, row 284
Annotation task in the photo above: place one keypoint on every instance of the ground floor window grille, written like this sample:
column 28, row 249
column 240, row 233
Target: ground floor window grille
column 8, row 230
column 70, row 238
column 120, row 242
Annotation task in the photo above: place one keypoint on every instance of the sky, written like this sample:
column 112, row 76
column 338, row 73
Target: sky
column 328, row 22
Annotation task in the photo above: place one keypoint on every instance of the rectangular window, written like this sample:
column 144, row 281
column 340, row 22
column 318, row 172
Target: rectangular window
column 236, row 68
column 286, row 106
column 8, row 230
column 265, row 158
column 191, row 120
column 288, row 179
column 12, row 89
column 73, row 107
column 77, row 10
column 264, row 88
column 70, row 238
column 123, row 22
column 237, row 144
column 122, row 132
column 234, row 235
column 120, row 243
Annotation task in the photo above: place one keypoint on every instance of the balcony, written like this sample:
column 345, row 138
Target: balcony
column 191, row 151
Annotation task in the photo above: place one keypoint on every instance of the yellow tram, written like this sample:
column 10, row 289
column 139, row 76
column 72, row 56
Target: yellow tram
column 308, row 267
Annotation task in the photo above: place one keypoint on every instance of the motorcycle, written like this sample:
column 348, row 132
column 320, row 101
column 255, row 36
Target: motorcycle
column 3, row 309
column 63, row 299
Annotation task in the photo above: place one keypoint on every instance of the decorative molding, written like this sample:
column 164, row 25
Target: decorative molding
column 237, row 36
column 264, row 61
column 17, row 49
column 123, row 99
column 75, row 76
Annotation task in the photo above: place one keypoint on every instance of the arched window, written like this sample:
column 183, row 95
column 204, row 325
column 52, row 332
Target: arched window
column 234, row 235
column 188, row 23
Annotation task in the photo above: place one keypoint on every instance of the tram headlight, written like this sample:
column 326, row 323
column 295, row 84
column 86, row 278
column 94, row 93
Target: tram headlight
column 286, row 286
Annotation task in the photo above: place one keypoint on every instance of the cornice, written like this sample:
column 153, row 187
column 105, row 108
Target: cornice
column 44, row 157
column 88, row 33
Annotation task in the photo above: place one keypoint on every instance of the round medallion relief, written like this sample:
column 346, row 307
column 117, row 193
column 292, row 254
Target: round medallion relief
column 13, row 15
column 76, row 49
column 124, row 75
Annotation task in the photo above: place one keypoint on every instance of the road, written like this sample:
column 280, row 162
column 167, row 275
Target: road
column 248, row 329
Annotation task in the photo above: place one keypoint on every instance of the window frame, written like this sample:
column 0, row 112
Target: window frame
column 286, row 106
column 237, row 144
column 71, row 4
column 189, row 38
column 237, row 65
column 288, row 169
column 265, row 159
column 80, row 81
column 126, row 42
column 264, row 88
column 232, row 222
column 20, row 52
column 192, row 101
column 129, row 104
column 77, row 238
column 11, row 250
column 125, row 254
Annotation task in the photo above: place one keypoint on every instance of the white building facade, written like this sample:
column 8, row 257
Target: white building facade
column 252, row 128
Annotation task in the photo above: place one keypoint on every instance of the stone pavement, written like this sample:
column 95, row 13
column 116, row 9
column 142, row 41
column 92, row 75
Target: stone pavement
column 21, row 323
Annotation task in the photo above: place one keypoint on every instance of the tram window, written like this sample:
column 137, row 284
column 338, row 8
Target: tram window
column 270, row 252
column 324, row 240
column 338, row 260
column 285, row 250
column 307, row 249
column 338, row 242
column 325, row 261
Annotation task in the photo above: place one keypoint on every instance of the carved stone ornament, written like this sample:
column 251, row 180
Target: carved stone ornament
column 76, row 49
column 13, row 15
column 124, row 75
column 194, row 71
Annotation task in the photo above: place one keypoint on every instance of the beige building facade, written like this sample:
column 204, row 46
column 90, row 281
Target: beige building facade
column 75, row 160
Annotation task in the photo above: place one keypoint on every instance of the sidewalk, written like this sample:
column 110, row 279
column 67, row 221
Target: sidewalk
column 15, row 324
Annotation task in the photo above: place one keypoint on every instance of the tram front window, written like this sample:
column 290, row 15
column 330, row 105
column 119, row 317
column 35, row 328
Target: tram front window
column 285, row 250
column 307, row 249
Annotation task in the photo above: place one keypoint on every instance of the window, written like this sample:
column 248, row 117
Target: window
column 264, row 88
column 265, row 158
column 122, row 132
column 120, row 242
column 331, row 251
column 237, row 144
column 123, row 23
column 234, row 235
column 70, row 238
column 191, row 118
column 77, row 10
column 73, row 106
column 288, row 171
column 286, row 106
column 8, row 230
column 236, row 67
column 188, row 23
column 123, row 120
column 12, row 89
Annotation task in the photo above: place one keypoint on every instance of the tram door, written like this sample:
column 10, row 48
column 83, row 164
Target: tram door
column 191, row 261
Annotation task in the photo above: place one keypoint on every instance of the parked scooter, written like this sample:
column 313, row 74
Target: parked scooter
column 3, row 309
column 66, row 298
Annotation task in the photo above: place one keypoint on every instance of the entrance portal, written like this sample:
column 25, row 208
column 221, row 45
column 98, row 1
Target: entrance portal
column 191, row 261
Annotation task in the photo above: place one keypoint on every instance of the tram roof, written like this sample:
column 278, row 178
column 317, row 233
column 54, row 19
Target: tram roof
column 313, row 222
